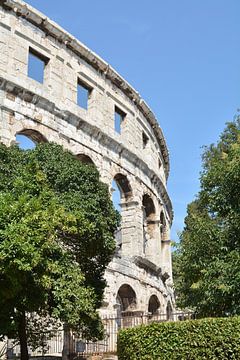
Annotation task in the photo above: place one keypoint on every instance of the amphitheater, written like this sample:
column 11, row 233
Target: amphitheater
column 82, row 103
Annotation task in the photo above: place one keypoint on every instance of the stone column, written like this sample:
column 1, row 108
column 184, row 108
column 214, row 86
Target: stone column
column 153, row 252
column 166, row 256
column 6, row 118
column 130, row 228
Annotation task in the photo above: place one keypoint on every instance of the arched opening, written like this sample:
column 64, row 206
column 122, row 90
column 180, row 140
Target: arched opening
column 116, row 195
column 126, row 299
column 169, row 312
column 27, row 139
column 116, row 199
column 148, row 220
column 121, row 192
column 123, row 185
column 153, row 305
column 85, row 159
column 163, row 228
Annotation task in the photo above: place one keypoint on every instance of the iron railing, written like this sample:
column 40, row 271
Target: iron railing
column 77, row 347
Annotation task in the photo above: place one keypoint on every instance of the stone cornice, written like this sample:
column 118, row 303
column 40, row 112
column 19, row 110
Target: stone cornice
column 126, row 265
column 32, row 15
column 147, row 265
column 93, row 130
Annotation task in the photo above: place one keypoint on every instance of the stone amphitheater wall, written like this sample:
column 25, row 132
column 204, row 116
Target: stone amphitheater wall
column 49, row 111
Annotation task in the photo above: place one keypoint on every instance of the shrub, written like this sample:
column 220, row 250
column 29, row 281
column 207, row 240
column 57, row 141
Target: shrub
column 214, row 339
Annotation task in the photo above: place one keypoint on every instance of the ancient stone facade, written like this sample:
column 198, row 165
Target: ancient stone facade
column 114, row 129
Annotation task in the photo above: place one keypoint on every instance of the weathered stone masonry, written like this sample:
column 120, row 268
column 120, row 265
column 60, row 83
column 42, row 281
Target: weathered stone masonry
column 139, row 276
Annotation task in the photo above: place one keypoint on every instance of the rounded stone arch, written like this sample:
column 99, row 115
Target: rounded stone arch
column 34, row 135
column 149, row 207
column 153, row 305
column 163, row 226
column 121, row 192
column 126, row 298
column 149, row 220
column 124, row 186
column 85, row 159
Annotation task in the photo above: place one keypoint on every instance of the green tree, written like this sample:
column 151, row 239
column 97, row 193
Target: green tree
column 57, row 226
column 207, row 263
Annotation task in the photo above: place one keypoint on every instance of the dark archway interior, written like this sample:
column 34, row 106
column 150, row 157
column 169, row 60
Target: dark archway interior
column 148, row 220
column 153, row 305
column 85, row 159
column 148, row 206
column 126, row 297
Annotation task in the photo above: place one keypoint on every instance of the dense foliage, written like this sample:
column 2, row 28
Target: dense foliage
column 207, row 263
column 214, row 339
column 57, row 226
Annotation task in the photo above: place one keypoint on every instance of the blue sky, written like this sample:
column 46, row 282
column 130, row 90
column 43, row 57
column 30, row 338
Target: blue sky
column 184, row 59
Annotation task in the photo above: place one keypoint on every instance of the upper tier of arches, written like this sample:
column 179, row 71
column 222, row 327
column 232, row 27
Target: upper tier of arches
column 51, row 101
column 59, row 38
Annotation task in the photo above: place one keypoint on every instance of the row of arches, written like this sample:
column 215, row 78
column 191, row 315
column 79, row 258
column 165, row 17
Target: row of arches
column 122, row 194
column 152, row 223
column 127, row 303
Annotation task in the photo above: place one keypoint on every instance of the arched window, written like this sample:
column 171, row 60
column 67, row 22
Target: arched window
column 148, row 220
column 126, row 298
column 153, row 305
column 85, row 159
column 28, row 138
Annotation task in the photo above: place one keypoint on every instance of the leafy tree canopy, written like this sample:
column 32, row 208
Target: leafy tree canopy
column 57, row 226
column 207, row 263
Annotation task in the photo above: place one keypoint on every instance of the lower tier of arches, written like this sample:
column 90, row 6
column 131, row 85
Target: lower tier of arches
column 134, row 288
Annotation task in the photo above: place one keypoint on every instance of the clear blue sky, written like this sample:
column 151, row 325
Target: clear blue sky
column 184, row 59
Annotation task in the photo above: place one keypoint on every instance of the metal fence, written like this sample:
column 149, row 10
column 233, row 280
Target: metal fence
column 75, row 347
column 112, row 325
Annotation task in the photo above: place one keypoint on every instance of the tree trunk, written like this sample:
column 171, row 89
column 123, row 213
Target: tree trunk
column 66, row 342
column 23, row 336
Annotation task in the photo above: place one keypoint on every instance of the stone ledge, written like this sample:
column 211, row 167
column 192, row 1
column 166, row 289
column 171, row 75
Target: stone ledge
column 147, row 264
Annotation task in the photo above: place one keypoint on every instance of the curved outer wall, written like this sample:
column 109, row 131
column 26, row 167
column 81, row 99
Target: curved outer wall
column 138, row 156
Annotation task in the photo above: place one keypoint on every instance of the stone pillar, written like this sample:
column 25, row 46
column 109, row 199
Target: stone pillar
column 166, row 257
column 153, row 250
column 129, row 228
column 6, row 118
